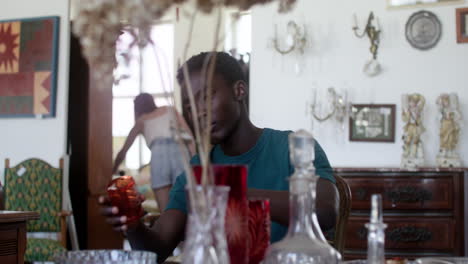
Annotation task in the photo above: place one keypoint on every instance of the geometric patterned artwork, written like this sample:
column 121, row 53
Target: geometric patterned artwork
column 28, row 67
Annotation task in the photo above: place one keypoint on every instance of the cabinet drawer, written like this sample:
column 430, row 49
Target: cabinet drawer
column 8, row 244
column 406, row 233
column 402, row 192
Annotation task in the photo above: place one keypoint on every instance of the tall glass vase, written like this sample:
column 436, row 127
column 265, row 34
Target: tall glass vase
column 205, row 240
column 304, row 241
column 237, row 212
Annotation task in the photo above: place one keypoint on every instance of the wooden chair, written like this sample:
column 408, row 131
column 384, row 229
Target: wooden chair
column 345, row 208
column 2, row 198
column 34, row 185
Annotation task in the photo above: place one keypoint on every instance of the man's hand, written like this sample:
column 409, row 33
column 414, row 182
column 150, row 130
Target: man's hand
column 118, row 222
column 162, row 238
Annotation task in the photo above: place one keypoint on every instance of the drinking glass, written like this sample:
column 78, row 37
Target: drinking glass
column 123, row 195
column 259, row 229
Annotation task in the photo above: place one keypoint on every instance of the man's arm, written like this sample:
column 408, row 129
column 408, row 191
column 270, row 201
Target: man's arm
column 326, row 203
column 162, row 238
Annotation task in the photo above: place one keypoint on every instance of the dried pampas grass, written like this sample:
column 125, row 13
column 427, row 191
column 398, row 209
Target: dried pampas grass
column 99, row 24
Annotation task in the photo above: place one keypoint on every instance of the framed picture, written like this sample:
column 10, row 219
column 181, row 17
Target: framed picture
column 28, row 67
column 462, row 25
column 372, row 123
column 419, row 3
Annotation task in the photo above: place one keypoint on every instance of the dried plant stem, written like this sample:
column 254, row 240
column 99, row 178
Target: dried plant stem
column 191, row 182
column 207, row 178
column 203, row 119
column 99, row 23
column 170, row 99
column 99, row 26
column 183, row 146
column 188, row 86
column 140, row 63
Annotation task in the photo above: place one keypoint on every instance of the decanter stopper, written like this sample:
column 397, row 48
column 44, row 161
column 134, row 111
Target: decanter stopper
column 302, row 150
column 376, row 232
column 376, row 209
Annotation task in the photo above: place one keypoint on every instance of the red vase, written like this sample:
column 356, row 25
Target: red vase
column 237, row 212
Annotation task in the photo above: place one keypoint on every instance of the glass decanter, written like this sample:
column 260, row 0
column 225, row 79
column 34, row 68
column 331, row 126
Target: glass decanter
column 376, row 232
column 315, row 227
column 302, row 243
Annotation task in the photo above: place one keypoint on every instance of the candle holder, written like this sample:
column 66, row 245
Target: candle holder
column 296, row 39
column 334, row 107
column 372, row 67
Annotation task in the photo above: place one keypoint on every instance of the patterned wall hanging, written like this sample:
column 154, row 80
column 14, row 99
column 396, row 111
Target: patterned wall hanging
column 28, row 67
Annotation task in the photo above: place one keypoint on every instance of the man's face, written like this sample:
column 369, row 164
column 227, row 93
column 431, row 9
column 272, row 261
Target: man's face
column 225, row 108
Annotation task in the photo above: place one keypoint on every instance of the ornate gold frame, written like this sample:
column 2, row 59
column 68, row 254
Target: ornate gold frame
column 419, row 5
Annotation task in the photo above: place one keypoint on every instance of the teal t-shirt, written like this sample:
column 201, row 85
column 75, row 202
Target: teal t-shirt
column 268, row 166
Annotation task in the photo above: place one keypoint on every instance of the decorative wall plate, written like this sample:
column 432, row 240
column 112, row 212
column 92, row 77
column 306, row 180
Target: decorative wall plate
column 423, row 30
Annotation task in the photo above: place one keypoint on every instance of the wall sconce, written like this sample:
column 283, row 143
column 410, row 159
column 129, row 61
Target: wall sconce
column 294, row 40
column 372, row 67
column 337, row 107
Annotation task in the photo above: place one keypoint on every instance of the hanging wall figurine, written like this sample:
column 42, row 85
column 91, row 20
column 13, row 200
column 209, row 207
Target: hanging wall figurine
column 449, row 117
column 413, row 106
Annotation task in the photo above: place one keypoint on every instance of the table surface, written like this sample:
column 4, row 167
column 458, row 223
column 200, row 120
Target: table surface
column 17, row 216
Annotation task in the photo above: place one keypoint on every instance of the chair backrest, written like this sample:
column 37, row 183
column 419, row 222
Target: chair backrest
column 34, row 185
column 2, row 198
column 345, row 208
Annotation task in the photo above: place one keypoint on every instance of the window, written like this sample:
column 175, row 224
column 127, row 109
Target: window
column 156, row 79
column 239, row 32
column 239, row 40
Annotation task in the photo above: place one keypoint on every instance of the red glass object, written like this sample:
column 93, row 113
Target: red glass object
column 259, row 229
column 123, row 195
column 234, row 176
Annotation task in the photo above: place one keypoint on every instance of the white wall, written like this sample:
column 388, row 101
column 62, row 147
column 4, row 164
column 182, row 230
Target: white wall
column 336, row 57
column 22, row 138
column 202, row 38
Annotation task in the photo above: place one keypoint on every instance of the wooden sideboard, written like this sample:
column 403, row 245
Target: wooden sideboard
column 13, row 235
column 424, row 210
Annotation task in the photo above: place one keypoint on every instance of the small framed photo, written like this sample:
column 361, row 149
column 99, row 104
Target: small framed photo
column 462, row 25
column 372, row 122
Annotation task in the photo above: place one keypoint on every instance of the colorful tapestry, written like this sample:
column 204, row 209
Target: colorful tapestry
column 28, row 67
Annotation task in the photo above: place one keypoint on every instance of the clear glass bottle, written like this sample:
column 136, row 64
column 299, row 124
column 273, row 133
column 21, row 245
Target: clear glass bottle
column 302, row 243
column 205, row 233
column 376, row 232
